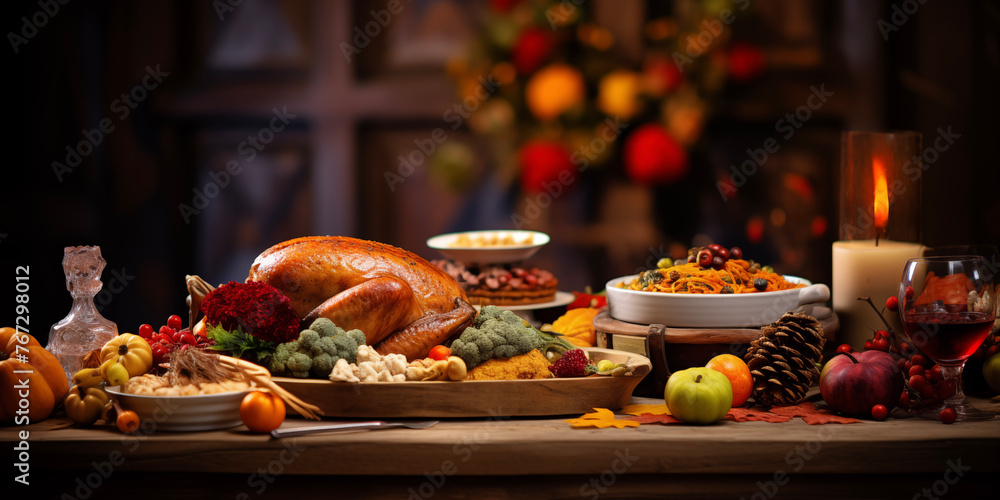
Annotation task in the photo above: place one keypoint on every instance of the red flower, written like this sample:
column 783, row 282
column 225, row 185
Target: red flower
column 545, row 163
column 257, row 308
column 652, row 156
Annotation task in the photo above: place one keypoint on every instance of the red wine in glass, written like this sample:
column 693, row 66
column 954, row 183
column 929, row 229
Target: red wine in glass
column 947, row 305
column 948, row 337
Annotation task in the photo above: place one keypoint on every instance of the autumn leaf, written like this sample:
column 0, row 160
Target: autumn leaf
column 812, row 416
column 751, row 415
column 602, row 418
column 660, row 409
column 650, row 418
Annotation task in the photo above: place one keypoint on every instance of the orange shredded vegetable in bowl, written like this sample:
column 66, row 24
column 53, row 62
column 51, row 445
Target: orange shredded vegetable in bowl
column 737, row 276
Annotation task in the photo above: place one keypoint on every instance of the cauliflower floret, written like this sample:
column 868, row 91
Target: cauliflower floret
column 366, row 353
column 344, row 371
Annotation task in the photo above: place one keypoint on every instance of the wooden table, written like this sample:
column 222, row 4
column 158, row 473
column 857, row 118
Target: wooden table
column 521, row 458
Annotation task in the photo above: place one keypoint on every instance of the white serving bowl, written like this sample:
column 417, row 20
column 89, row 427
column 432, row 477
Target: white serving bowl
column 499, row 254
column 183, row 413
column 709, row 310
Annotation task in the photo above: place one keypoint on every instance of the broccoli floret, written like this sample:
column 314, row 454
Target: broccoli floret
column 497, row 333
column 487, row 313
column 325, row 328
column 279, row 360
column 307, row 338
column 325, row 345
column 348, row 344
column 323, row 363
column 299, row 364
column 316, row 350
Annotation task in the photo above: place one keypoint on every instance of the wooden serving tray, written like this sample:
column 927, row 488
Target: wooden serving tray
column 475, row 398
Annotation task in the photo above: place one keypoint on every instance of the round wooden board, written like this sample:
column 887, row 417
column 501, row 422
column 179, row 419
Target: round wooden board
column 475, row 398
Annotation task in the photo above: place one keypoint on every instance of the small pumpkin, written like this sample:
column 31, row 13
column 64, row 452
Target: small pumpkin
column 85, row 406
column 130, row 350
column 577, row 326
column 46, row 381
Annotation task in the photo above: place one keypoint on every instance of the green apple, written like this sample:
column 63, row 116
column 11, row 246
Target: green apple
column 698, row 395
column 991, row 372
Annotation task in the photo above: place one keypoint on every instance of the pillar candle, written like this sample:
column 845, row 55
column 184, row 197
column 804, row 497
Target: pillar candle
column 862, row 269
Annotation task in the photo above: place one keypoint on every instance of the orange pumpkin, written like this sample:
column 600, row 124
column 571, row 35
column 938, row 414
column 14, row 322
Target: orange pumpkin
column 577, row 326
column 46, row 382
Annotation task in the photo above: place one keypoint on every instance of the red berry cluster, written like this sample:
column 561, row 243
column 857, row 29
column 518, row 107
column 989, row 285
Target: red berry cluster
column 169, row 337
column 573, row 363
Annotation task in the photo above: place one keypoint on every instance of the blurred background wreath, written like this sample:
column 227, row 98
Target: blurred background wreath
column 564, row 99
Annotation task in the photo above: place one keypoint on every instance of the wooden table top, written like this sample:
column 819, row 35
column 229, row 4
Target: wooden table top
column 896, row 448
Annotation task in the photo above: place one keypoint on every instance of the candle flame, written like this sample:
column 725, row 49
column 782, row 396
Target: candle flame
column 881, row 196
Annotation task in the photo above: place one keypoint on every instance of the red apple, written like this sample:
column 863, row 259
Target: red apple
column 852, row 383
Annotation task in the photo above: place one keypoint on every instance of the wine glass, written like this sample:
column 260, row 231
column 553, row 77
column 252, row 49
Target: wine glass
column 947, row 307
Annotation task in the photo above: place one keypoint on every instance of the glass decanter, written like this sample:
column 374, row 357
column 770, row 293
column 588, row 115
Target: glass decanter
column 83, row 329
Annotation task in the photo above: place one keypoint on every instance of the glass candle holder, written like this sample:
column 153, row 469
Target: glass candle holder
column 880, row 200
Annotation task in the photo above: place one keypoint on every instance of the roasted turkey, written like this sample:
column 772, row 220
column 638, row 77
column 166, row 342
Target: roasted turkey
column 401, row 302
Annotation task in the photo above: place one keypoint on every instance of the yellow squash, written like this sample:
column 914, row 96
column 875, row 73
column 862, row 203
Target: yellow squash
column 84, row 406
column 130, row 350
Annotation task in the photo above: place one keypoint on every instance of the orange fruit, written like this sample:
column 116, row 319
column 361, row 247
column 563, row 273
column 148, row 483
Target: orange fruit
column 738, row 374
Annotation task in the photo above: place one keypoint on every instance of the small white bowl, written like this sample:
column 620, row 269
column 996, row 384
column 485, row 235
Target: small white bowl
column 745, row 310
column 183, row 413
column 498, row 254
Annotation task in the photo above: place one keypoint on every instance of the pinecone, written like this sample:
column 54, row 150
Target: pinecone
column 783, row 359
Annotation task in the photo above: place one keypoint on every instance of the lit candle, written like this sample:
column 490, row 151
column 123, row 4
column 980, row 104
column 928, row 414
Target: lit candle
column 869, row 268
